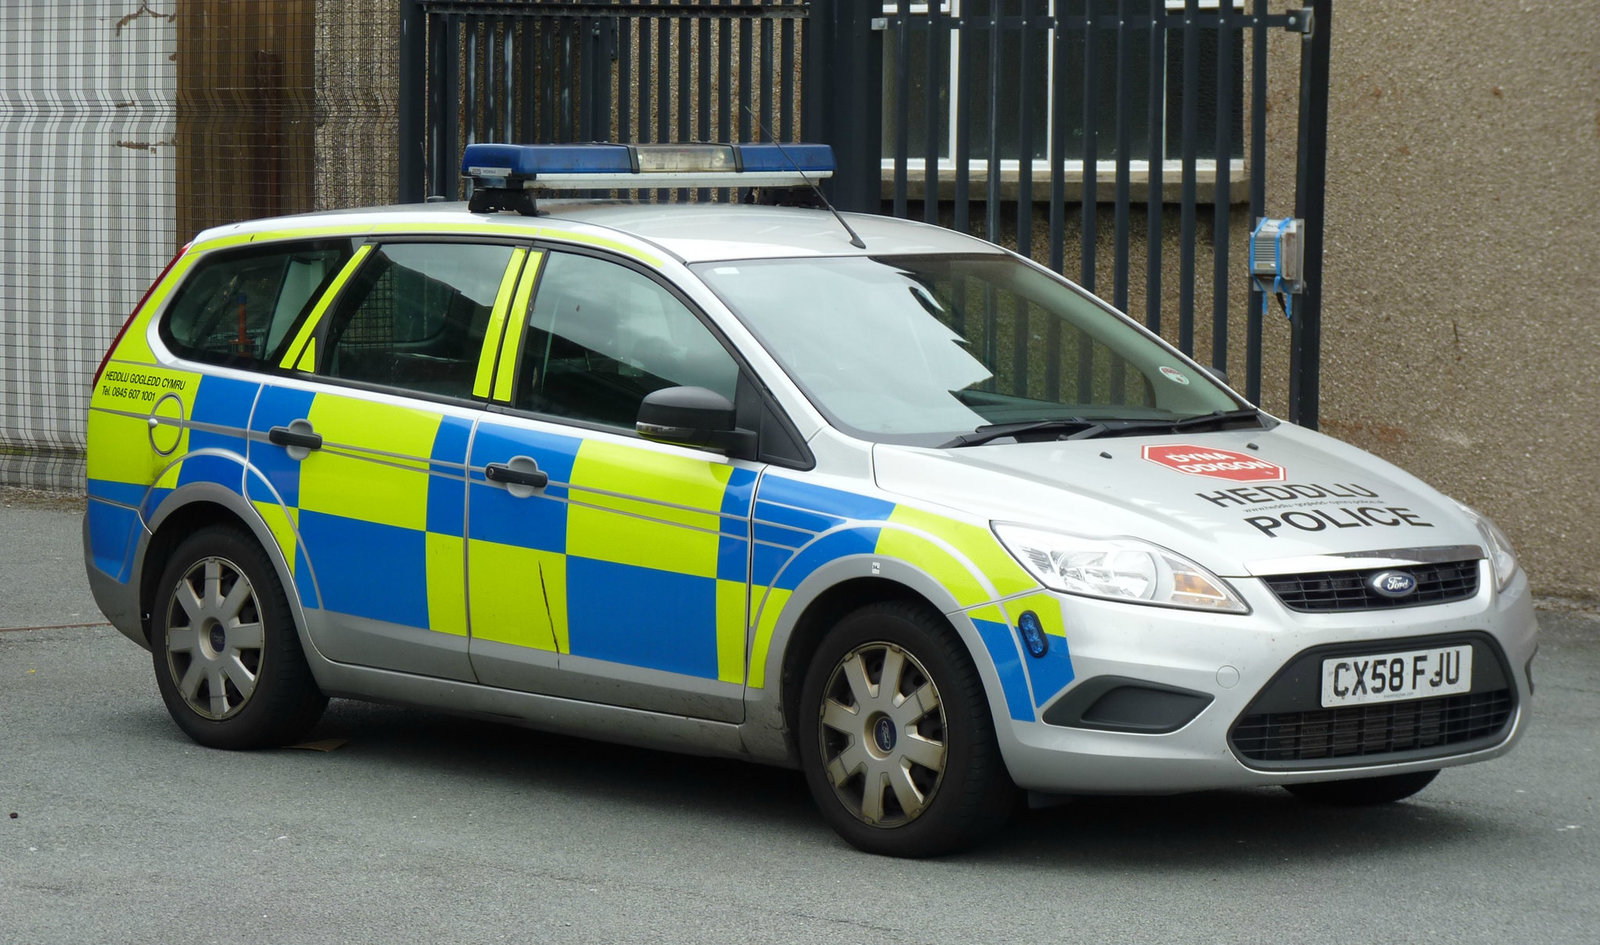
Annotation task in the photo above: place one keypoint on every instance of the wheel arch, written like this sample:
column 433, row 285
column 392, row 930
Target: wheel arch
column 828, row 595
column 194, row 507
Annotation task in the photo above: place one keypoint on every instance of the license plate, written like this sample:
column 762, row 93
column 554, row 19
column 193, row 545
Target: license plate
column 1418, row 674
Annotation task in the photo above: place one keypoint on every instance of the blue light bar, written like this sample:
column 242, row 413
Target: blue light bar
column 643, row 166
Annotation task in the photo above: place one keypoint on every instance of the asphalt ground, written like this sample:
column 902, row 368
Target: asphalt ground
column 398, row 825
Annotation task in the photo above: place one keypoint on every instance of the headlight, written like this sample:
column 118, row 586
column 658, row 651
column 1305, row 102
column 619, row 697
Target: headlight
column 1502, row 560
column 1125, row 569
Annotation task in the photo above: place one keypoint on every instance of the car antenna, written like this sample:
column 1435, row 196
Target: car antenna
column 854, row 239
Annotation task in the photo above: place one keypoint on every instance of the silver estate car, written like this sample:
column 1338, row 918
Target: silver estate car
column 861, row 496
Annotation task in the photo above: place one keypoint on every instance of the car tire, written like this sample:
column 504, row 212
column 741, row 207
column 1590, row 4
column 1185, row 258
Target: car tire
column 895, row 736
column 1363, row 791
column 227, row 657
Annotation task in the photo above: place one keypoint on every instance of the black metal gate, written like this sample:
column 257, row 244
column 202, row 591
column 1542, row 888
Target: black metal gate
column 1030, row 122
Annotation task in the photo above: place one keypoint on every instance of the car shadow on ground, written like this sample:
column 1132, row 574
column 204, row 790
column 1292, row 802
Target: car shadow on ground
column 1190, row 832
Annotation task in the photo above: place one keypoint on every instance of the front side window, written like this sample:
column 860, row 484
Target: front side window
column 920, row 349
column 601, row 336
column 414, row 316
column 238, row 307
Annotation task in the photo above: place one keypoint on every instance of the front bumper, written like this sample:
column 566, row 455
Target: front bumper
column 1253, row 669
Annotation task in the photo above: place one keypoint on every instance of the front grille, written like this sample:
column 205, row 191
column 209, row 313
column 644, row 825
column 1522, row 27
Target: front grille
column 1324, row 591
column 1384, row 728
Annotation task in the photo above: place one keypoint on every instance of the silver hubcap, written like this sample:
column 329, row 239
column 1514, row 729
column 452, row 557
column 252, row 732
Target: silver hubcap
column 883, row 734
column 214, row 638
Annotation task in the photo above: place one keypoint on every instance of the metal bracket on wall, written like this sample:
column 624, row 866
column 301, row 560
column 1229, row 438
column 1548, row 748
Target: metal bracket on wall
column 1300, row 21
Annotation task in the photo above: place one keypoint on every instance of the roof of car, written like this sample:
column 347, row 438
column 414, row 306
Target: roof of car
column 691, row 232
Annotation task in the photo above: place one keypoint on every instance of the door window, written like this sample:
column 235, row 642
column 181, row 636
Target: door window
column 601, row 336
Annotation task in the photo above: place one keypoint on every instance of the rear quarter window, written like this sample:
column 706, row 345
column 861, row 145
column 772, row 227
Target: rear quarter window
column 239, row 307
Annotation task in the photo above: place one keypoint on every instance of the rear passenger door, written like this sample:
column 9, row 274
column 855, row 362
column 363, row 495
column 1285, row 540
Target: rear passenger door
column 602, row 566
column 362, row 449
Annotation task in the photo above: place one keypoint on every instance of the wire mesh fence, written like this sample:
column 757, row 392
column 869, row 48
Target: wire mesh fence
column 126, row 127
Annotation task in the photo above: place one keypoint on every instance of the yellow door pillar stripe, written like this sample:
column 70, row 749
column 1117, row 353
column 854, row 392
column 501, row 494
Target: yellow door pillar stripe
column 497, row 324
column 516, row 321
column 302, row 340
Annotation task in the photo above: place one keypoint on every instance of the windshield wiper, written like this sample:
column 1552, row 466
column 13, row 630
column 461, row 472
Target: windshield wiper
column 1078, row 428
column 994, row 431
column 1217, row 419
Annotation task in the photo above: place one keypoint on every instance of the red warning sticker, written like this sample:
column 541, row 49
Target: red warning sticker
column 1213, row 462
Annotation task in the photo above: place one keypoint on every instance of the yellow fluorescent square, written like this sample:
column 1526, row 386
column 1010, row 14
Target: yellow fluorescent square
column 656, row 510
column 447, row 592
column 282, row 523
column 950, row 550
column 508, row 601
column 731, row 629
column 373, row 464
column 121, row 450
column 767, row 604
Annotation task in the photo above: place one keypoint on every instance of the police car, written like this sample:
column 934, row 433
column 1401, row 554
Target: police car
column 852, row 494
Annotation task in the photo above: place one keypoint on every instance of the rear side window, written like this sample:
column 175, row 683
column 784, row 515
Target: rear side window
column 238, row 307
column 415, row 315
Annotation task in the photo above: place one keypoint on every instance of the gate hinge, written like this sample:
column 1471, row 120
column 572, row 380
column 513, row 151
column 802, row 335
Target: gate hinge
column 1300, row 21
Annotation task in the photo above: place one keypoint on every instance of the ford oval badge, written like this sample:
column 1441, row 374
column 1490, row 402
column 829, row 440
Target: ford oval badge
column 1393, row 584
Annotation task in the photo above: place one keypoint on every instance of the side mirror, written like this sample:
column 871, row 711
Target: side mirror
column 692, row 416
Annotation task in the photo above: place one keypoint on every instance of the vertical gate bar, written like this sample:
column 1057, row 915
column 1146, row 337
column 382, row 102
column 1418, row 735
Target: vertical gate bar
column 966, row 36
column 1155, row 199
column 1122, row 195
column 768, row 101
column 1221, row 205
column 622, row 29
column 1258, row 191
column 1090, row 206
column 992, row 191
column 1058, row 195
column 786, row 49
column 1123, row 190
column 549, row 120
column 684, row 130
column 646, row 105
column 934, row 71
column 412, row 157
column 901, row 113
column 746, row 77
column 490, row 81
column 571, row 88
column 448, row 170
column 703, row 88
column 663, row 79
column 528, row 87
column 1025, row 92
column 1309, row 205
column 724, row 88
column 602, row 51
column 1190, row 133
column 508, row 63
column 470, row 132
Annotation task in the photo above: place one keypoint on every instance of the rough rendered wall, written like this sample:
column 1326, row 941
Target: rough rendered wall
column 1462, row 269
column 358, row 87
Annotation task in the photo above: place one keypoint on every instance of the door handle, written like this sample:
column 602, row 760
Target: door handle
column 500, row 472
column 297, row 439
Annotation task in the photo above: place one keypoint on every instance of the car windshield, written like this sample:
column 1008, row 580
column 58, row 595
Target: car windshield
column 923, row 349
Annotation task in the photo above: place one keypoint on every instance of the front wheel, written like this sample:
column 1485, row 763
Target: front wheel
column 895, row 736
column 227, row 659
column 1363, row 791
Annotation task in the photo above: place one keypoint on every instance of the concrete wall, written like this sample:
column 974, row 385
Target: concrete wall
column 1463, row 262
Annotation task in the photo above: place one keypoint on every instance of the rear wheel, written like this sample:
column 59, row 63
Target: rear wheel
column 227, row 659
column 1363, row 791
column 895, row 736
